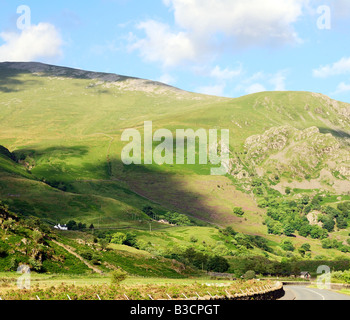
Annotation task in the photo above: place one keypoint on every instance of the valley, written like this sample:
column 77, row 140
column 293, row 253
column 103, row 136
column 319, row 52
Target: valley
column 60, row 161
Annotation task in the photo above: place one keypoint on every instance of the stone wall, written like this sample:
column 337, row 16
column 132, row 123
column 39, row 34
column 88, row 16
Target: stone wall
column 267, row 293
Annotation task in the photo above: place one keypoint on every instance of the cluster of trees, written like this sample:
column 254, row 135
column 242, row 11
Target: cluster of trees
column 200, row 260
column 287, row 217
column 334, row 244
column 341, row 276
column 76, row 226
column 287, row 267
column 246, row 241
column 127, row 239
column 63, row 186
column 171, row 217
column 335, row 217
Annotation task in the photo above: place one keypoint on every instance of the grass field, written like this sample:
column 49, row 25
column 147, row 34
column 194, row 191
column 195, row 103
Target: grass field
column 57, row 287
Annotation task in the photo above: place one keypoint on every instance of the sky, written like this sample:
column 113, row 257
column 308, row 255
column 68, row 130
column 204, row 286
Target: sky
column 222, row 47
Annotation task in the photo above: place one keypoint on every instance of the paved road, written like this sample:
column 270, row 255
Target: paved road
column 305, row 293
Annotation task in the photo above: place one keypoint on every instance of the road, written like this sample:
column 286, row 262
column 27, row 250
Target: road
column 305, row 293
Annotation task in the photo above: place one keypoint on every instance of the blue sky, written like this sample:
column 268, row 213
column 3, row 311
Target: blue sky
column 222, row 47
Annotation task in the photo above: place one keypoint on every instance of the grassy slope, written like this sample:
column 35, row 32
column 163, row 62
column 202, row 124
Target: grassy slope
column 70, row 129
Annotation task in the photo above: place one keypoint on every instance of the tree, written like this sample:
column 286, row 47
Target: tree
column 104, row 244
column 177, row 218
column 118, row 276
column 305, row 230
column 72, row 225
column 238, row 211
column 249, row 275
column 131, row 240
column 81, row 226
column 228, row 231
column 318, row 233
column 288, row 230
column 328, row 223
column 306, row 247
column 327, row 244
column 287, row 245
column 218, row 264
column 341, row 222
column 302, row 251
column 118, row 238
column 344, row 208
column 149, row 211
column 243, row 240
column 274, row 227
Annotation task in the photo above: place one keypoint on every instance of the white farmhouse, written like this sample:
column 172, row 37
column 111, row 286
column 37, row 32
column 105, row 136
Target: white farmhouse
column 62, row 228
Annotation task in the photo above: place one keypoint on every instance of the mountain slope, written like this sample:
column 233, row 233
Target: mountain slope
column 64, row 128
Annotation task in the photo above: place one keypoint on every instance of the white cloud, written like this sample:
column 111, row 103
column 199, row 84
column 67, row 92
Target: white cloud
column 261, row 81
column 162, row 45
column 167, row 79
column 338, row 68
column 254, row 88
column 342, row 87
column 278, row 81
column 204, row 28
column 250, row 21
column 215, row 90
column 225, row 74
column 40, row 41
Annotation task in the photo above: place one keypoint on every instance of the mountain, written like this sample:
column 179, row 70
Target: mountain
column 63, row 130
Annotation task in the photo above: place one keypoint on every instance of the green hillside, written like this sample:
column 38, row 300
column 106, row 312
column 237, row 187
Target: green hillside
column 61, row 159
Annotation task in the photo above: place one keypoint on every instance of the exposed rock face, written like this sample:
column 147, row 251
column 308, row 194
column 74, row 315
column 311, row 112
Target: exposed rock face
column 298, row 154
column 313, row 218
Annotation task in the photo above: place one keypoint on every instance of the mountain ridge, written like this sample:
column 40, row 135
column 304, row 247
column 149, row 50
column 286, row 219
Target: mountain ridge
column 39, row 67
